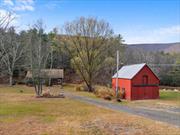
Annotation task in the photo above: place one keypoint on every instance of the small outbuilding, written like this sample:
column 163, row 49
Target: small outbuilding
column 137, row 82
column 56, row 75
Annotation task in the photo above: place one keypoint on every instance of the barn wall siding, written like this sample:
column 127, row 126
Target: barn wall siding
column 123, row 83
column 149, row 92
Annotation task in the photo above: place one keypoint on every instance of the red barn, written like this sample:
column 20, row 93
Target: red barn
column 137, row 82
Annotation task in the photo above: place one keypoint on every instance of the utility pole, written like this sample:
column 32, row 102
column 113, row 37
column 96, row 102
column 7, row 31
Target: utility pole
column 117, row 66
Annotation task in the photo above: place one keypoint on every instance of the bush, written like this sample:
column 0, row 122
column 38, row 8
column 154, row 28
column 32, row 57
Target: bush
column 81, row 88
column 104, row 92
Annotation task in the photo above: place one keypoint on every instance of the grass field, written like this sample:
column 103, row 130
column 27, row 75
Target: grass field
column 23, row 114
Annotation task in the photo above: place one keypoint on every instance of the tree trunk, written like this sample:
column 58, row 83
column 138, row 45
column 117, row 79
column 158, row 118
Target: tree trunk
column 10, row 80
column 90, row 88
column 35, row 87
column 38, row 87
column 51, row 66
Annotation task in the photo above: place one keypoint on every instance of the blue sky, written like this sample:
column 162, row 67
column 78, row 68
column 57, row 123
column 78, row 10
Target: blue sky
column 138, row 21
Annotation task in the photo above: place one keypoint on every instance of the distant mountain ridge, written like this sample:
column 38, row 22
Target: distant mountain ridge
column 158, row 47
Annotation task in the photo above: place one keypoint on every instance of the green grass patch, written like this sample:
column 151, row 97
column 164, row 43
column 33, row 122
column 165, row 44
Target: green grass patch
column 20, row 109
column 169, row 95
column 11, row 112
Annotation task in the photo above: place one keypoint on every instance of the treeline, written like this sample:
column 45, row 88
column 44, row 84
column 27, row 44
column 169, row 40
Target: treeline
column 165, row 65
column 85, row 46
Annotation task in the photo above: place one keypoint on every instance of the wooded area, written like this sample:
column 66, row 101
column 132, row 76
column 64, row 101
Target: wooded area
column 85, row 47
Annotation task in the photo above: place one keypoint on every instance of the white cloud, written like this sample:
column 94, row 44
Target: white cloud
column 168, row 30
column 24, row 8
column 2, row 13
column 24, row 5
column 53, row 4
column 26, row 1
column 8, row 2
column 164, row 34
column 19, row 5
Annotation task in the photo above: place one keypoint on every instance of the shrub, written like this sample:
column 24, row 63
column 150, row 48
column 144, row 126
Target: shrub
column 104, row 92
column 81, row 87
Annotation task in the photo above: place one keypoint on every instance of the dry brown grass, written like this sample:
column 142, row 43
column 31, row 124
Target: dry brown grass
column 23, row 114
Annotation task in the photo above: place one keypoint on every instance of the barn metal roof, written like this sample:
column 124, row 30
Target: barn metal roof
column 129, row 71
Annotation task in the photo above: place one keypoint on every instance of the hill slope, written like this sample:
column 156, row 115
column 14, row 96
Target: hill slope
column 166, row 47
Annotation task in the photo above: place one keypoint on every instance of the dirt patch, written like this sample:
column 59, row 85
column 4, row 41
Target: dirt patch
column 28, row 126
column 131, row 125
column 111, row 128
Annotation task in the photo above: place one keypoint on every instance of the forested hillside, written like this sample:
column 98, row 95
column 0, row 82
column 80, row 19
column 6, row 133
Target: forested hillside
column 157, row 47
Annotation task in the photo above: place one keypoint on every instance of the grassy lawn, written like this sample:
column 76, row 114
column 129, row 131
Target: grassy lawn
column 170, row 95
column 23, row 114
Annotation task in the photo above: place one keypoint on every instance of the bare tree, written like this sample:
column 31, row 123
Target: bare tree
column 11, row 51
column 87, row 40
column 53, row 46
column 6, row 19
column 39, row 52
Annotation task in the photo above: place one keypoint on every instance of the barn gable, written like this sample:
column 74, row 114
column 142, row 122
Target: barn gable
column 147, row 68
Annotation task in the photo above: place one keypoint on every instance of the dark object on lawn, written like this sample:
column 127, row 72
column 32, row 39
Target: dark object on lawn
column 107, row 97
column 21, row 91
column 118, row 100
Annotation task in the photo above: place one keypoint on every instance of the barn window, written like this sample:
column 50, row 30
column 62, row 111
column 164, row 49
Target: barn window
column 145, row 79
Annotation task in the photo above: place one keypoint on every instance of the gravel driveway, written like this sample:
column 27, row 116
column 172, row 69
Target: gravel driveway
column 162, row 116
